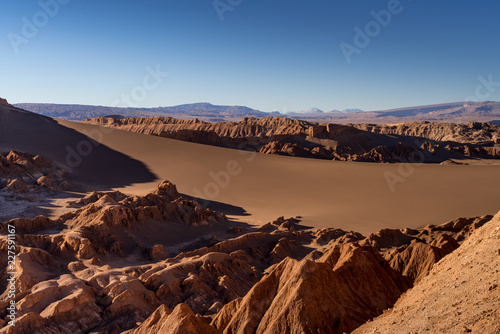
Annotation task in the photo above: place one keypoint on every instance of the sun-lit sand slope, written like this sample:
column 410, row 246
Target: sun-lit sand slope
column 354, row 196
column 258, row 188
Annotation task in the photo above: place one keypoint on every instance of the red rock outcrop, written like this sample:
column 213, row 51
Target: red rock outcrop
column 471, row 133
column 180, row 321
column 96, row 270
column 461, row 294
column 64, row 305
column 202, row 282
column 407, row 142
column 310, row 297
column 30, row 169
column 413, row 253
column 16, row 186
column 103, row 217
column 416, row 260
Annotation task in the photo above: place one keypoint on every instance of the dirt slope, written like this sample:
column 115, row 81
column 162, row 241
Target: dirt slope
column 461, row 294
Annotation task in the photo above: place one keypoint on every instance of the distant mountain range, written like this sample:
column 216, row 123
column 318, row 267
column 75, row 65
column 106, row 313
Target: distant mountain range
column 457, row 112
column 314, row 111
column 203, row 111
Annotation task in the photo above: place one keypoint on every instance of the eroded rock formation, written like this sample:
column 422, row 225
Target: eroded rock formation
column 20, row 172
column 461, row 294
column 469, row 133
column 406, row 142
column 92, row 271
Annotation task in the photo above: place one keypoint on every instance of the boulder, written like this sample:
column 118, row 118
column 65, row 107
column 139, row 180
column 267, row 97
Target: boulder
column 47, row 182
column 16, row 186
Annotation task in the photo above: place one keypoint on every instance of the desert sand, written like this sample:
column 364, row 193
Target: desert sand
column 403, row 142
column 260, row 188
column 351, row 196
column 99, row 269
column 121, row 262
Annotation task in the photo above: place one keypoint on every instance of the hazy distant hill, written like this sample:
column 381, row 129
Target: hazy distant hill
column 204, row 111
column 457, row 112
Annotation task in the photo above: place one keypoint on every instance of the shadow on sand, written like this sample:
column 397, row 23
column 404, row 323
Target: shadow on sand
column 225, row 208
column 90, row 163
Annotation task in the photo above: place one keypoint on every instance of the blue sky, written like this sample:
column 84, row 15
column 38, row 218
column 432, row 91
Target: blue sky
column 268, row 55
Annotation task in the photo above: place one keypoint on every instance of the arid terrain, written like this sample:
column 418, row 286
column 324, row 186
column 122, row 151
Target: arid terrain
column 159, row 225
column 250, row 167
column 402, row 142
column 457, row 112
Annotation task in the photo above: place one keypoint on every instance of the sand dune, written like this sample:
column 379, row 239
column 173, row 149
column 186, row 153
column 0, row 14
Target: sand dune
column 115, row 259
column 352, row 196
column 433, row 142
column 255, row 187
column 28, row 132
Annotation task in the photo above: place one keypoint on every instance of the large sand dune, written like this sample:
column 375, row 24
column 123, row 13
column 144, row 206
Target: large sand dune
column 28, row 132
column 115, row 258
column 255, row 187
column 353, row 196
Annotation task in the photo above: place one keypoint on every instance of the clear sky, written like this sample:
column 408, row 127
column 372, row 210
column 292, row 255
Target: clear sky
column 280, row 55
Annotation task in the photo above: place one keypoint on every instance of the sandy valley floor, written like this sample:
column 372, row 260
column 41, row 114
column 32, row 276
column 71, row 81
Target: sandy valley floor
column 257, row 188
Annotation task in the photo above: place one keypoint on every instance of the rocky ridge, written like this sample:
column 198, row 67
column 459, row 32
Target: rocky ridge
column 20, row 172
column 277, row 278
column 31, row 183
column 406, row 142
column 469, row 133
column 461, row 293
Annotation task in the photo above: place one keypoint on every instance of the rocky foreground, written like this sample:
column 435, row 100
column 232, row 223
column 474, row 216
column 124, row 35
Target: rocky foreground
column 22, row 172
column 26, row 179
column 461, row 294
column 404, row 142
column 119, row 263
